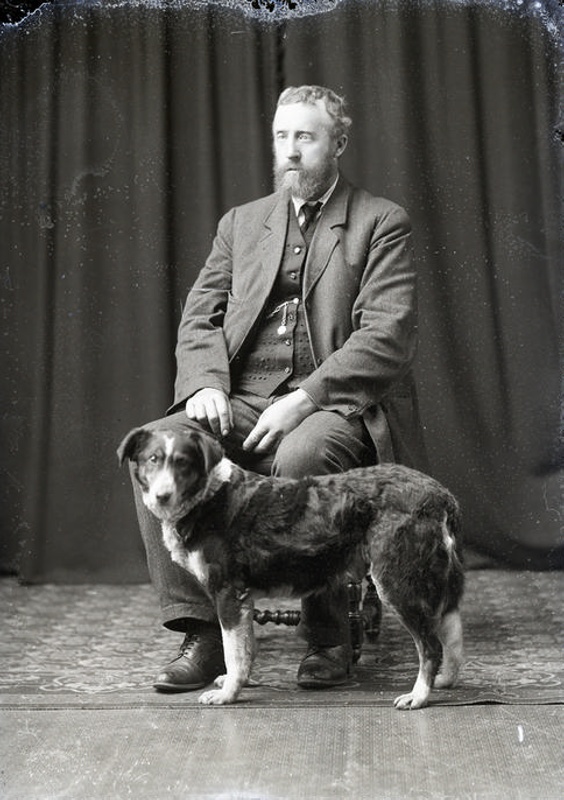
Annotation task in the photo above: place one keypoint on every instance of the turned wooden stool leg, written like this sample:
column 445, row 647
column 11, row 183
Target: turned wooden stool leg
column 365, row 615
column 277, row 617
column 355, row 619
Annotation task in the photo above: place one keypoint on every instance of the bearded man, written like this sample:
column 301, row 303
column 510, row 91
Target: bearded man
column 294, row 349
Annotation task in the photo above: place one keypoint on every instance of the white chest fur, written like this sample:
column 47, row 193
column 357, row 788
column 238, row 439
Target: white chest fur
column 197, row 566
column 191, row 561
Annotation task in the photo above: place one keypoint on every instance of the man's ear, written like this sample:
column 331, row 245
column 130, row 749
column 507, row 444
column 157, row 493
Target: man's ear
column 132, row 444
column 341, row 145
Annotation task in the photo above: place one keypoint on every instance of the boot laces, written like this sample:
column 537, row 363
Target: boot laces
column 190, row 641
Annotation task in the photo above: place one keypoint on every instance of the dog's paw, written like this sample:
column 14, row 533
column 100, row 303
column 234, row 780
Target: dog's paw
column 410, row 701
column 443, row 681
column 216, row 697
column 220, row 680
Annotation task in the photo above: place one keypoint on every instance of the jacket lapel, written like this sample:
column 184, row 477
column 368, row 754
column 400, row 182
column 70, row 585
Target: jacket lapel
column 271, row 246
column 327, row 235
column 273, row 239
column 269, row 252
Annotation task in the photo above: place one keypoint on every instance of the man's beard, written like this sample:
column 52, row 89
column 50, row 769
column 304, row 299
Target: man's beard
column 307, row 184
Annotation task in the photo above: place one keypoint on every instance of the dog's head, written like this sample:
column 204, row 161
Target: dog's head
column 171, row 467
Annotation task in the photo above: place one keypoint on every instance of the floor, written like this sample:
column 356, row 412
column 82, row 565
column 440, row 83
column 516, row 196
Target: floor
column 470, row 752
column 79, row 719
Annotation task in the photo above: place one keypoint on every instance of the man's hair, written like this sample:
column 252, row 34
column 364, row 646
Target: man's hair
column 335, row 105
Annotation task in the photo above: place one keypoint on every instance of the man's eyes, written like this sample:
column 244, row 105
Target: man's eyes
column 302, row 137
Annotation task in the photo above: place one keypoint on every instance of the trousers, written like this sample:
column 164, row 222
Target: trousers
column 324, row 443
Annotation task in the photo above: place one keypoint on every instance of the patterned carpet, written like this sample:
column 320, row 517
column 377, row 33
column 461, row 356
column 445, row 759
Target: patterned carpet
column 100, row 646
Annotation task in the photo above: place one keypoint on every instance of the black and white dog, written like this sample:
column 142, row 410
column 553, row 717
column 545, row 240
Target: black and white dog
column 241, row 534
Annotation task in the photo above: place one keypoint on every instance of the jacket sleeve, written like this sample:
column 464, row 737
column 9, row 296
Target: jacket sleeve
column 201, row 351
column 379, row 351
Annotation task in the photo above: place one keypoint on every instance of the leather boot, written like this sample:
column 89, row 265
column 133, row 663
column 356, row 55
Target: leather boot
column 199, row 661
column 323, row 667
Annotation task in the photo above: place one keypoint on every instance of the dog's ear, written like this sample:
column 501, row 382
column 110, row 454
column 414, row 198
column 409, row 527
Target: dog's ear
column 211, row 450
column 132, row 444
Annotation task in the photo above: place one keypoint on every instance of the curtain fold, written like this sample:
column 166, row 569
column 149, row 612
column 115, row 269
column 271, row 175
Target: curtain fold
column 453, row 119
column 129, row 155
column 129, row 131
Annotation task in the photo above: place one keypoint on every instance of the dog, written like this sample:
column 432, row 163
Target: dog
column 243, row 535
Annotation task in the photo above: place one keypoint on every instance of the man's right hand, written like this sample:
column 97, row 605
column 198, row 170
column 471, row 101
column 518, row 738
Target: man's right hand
column 211, row 408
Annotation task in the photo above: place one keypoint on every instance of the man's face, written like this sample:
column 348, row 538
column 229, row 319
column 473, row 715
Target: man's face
column 305, row 151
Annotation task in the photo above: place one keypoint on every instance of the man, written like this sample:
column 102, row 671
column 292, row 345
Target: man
column 294, row 349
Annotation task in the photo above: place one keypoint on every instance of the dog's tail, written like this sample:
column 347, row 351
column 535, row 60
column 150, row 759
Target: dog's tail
column 452, row 542
column 439, row 556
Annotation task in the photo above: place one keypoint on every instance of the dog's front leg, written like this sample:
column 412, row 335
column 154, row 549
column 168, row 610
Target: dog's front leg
column 235, row 613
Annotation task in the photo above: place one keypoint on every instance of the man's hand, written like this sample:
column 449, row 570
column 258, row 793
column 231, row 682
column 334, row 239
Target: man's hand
column 278, row 420
column 211, row 407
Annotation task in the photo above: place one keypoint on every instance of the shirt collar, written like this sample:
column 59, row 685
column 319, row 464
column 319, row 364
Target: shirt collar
column 298, row 202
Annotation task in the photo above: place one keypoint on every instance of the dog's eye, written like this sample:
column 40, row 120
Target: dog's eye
column 153, row 459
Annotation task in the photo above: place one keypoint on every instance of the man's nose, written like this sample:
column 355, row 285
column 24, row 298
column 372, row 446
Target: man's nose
column 291, row 149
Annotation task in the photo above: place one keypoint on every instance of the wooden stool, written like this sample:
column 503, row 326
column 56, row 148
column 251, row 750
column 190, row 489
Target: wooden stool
column 365, row 615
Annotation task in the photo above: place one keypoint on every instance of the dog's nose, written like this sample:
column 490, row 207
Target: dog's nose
column 163, row 498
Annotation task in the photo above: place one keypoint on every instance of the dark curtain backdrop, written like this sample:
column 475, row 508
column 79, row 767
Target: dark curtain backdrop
column 127, row 131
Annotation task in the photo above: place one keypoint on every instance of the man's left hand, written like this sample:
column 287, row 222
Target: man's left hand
column 278, row 420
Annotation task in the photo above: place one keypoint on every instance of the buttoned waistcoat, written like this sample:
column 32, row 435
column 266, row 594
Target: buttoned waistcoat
column 359, row 297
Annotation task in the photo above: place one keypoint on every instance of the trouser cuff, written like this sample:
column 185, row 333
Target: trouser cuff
column 177, row 617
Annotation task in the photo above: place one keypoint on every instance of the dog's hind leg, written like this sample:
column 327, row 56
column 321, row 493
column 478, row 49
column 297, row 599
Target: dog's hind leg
column 239, row 647
column 422, row 624
column 429, row 650
column 450, row 634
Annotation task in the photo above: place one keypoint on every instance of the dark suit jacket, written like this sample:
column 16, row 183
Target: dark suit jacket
column 359, row 294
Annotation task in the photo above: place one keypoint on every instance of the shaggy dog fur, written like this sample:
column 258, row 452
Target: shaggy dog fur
column 241, row 534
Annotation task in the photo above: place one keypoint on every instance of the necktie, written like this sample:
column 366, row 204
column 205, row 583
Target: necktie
column 309, row 211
